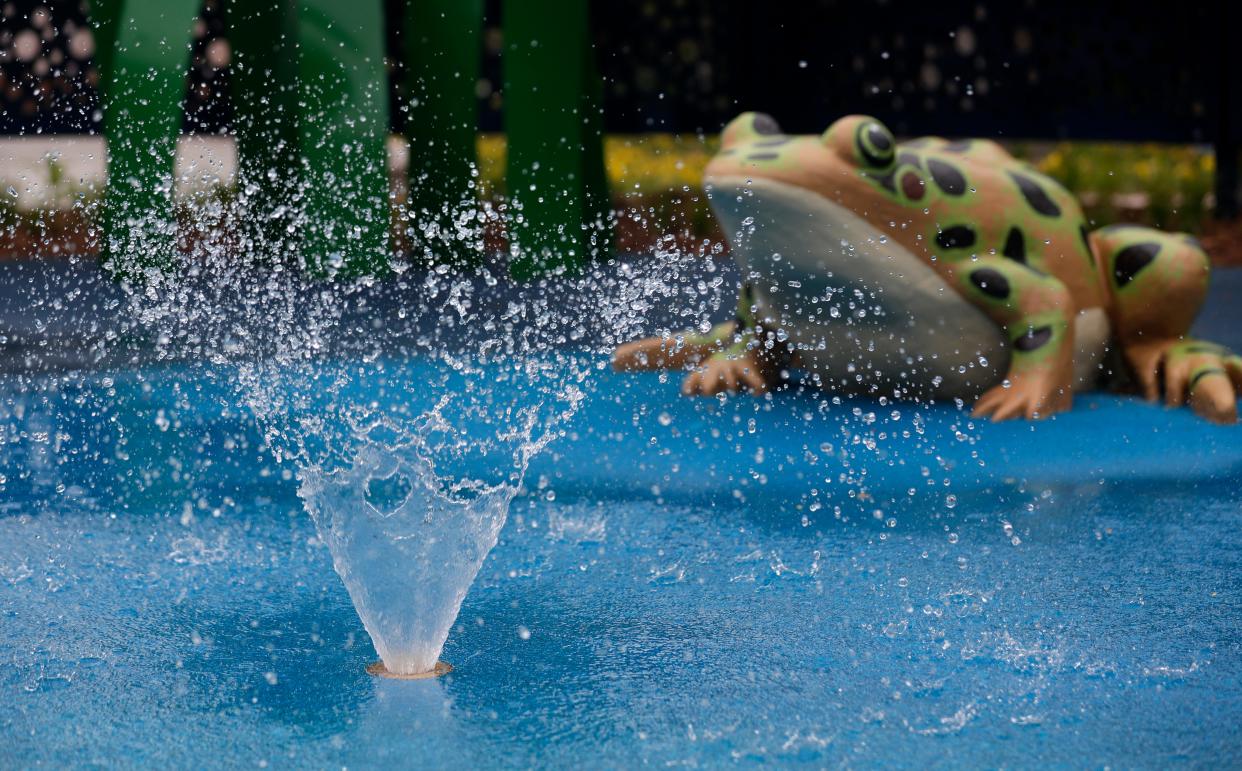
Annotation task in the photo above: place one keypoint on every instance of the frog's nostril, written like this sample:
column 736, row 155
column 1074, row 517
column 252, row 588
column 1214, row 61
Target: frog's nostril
column 765, row 124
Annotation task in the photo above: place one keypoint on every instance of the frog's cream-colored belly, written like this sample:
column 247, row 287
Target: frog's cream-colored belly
column 862, row 312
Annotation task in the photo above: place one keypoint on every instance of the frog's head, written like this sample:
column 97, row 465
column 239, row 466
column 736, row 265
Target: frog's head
column 839, row 185
column 809, row 216
column 849, row 163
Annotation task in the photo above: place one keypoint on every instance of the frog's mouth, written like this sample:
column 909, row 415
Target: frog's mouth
column 860, row 309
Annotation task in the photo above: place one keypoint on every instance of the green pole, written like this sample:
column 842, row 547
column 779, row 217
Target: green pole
column 555, row 166
column 342, row 129
column 142, row 114
column 264, row 95
column 442, row 42
column 103, row 18
column 596, row 200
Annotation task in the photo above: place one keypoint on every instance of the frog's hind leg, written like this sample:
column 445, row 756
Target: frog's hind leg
column 1037, row 314
column 1157, row 282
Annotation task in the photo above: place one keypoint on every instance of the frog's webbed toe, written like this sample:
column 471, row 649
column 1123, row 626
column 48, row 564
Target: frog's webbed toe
column 1032, row 398
column 1214, row 399
column 1145, row 363
column 724, row 373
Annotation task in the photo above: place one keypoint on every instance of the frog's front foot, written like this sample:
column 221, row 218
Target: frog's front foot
column 670, row 352
column 1031, row 396
column 723, row 373
column 654, row 353
column 1205, row 375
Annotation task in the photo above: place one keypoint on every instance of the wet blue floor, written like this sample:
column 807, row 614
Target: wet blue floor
column 677, row 587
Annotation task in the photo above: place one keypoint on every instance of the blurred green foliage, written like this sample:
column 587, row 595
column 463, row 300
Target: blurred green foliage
column 1166, row 186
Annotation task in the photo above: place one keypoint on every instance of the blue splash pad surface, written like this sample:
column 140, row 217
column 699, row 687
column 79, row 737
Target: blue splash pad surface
column 670, row 591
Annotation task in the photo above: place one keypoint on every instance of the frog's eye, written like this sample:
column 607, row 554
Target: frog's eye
column 748, row 127
column 875, row 142
column 763, row 124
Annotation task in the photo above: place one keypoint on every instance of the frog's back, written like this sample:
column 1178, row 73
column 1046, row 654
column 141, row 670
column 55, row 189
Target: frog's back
column 981, row 200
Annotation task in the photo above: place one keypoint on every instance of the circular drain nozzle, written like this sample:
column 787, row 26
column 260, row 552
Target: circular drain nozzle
column 379, row 670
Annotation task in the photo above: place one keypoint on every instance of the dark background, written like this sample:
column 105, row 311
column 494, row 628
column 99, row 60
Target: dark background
column 1020, row 68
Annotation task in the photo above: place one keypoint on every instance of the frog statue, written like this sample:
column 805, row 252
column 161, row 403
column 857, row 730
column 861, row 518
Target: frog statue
column 934, row 269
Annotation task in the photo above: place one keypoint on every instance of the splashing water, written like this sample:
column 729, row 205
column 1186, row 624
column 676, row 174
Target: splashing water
column 408, row 489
